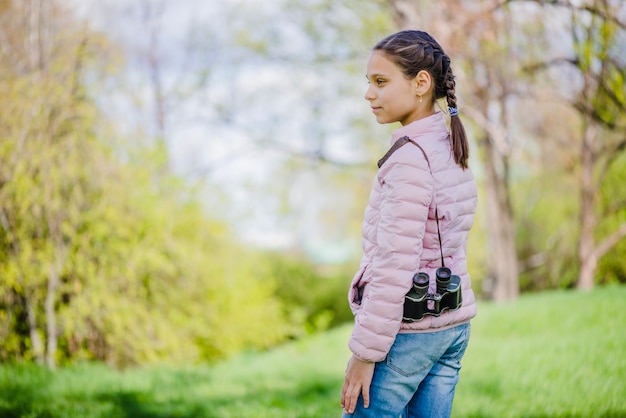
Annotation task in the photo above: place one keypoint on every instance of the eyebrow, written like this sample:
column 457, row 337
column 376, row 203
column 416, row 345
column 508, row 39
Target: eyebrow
column 376, row 75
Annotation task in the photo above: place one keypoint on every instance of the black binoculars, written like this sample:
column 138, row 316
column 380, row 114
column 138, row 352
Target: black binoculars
column 447, row 297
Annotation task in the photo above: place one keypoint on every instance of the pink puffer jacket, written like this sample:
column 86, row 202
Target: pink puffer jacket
column 400, row 237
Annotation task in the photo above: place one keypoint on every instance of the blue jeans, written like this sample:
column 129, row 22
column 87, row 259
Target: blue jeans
column 418, row 377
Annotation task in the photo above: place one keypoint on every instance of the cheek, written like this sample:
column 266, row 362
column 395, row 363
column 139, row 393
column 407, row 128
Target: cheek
column 386, row 96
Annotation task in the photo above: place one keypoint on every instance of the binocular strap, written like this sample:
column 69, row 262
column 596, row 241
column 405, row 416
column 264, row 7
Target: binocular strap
column 400, row 142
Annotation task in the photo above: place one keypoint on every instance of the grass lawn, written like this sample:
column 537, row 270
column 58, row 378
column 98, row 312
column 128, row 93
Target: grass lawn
column 554, row 354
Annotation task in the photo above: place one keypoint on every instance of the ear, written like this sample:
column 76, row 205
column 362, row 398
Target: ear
column 423, row 83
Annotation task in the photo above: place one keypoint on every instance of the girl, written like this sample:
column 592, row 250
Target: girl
column 420, row 211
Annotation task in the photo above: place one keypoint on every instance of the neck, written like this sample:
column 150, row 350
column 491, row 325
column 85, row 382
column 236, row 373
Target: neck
column 419, row 113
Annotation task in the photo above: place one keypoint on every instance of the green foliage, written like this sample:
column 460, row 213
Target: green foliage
column 147, row 277
column 317, row 300
column 547, row 221
column 612, row 268
column 110, row 258
column 540, row 356
column 48, row 157
column 598, row 40
column 612, row 200
column 477, row 248
column 107, row 255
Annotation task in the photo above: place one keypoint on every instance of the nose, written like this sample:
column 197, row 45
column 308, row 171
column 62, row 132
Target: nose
column 369, row 95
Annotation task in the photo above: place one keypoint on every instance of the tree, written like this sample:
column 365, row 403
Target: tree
column 501, row 43
column 597, row 33
column 602, row 104
column 103, row 254
column 42, row 193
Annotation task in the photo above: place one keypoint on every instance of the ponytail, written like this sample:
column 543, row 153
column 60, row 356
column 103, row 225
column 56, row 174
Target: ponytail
column 460, row 145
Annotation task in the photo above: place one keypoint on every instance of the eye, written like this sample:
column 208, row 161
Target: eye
column 379, row 81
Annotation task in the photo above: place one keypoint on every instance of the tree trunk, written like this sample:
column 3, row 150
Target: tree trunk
column 35, row 338
column 502, row 254
column 51, row 321
column 586, row 245
column 502, row 258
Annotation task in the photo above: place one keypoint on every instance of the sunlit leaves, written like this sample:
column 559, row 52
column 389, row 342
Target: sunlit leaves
column 135, row 269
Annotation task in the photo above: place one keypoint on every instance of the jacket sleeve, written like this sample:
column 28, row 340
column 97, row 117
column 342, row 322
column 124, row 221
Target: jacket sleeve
column 406, row 192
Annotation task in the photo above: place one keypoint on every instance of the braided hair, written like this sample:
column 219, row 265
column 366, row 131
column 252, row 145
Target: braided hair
column 414, row 51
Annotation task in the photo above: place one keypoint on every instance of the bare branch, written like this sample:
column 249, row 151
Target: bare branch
column 587, row 109
column 611, row 94
column 530, row 68
column 495, row 131
column 590, row 8
column 610, row 241
column 583, row 107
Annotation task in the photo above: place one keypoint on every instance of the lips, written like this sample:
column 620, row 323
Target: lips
column 376, row 109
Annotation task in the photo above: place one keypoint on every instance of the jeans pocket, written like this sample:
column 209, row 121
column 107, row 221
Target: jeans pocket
column 409, row 365
column 415, row 353
column 406, row 356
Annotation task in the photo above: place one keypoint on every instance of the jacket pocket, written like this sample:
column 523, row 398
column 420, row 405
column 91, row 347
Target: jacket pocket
column 357, row 288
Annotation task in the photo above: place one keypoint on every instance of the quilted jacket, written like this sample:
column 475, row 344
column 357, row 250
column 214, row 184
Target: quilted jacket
column 399, row 237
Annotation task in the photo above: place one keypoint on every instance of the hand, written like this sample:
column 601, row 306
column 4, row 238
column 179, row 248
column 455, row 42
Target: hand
column 358, row 379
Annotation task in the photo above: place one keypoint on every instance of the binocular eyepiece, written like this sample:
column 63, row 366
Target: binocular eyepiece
column 447, row 297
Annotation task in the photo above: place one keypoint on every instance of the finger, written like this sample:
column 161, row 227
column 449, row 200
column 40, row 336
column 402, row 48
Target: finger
column 353, row 399
column 345, row 393
column 366, row 396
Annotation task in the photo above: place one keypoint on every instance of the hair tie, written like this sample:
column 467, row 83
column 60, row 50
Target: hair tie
column 453, row 111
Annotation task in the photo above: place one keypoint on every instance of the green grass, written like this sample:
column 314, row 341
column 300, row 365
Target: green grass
column 554, row 354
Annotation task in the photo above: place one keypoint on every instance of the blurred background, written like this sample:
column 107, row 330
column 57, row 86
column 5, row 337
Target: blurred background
column 183, row 181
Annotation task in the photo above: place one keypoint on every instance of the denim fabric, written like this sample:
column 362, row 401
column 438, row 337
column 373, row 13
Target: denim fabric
column 418, row 377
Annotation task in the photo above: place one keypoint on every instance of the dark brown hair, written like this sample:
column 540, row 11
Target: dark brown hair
column 413, row 51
